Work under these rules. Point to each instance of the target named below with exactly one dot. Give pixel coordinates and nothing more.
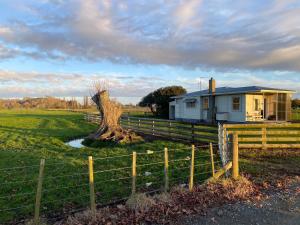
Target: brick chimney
(211, 113)
(212, 86)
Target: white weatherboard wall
(178, 108)
(183, 112)
(224, 104)
(192, 113)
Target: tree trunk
(110, 113)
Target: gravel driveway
(280, 208)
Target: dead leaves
(180, 202)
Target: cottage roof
(237, 90)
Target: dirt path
(280, 208)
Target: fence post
(133, 191)
(92, 187)
(193, 133)
(39, 193)
(139, 126)
(170, 134)
(212, 159)
(264, 137)
(153, 127)
(192, 169)
(235, 156)
(166, 170)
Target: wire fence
(56, 189)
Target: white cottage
(226, 104)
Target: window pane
(236, 103)
(205, 103)
(256, 108)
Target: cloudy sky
(59, 47)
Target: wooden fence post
(193, 133)
(39, 193)
(139, 125)
(212, 159)
(264, 137)
(92, 187)
(133, 191)
(166, 170)
(192, 169)
(235, 156)
(170, 134)
(153, 127)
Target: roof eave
(242, 92)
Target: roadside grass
(26, 136)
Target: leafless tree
(110, 113)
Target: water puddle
(77, 143)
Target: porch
(268, 106)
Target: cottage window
(191, 104)
(205, 103)
(236, 103)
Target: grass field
(27, 136)
(296, 115)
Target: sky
(61, 47)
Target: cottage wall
(224, 105)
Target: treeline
(296, 103)
(44, 103)
(158, 100)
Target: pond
(77, 143)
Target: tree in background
(148, 101)
(158, 101)
(47, 102)
(296, 103)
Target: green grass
(296, 115)
(26, 136)
(268, 165)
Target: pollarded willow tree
(110, 114)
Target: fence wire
(66, 186)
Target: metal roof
(230, 90)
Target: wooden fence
(174, 130)
(259, 136)
(264, 136)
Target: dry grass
(140, 202)
(166, 208)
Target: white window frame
(190, 105)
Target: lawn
(296, 115)
(26, 136)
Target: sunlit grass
(26, 136)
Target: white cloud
(192, 34)
(34, 84)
